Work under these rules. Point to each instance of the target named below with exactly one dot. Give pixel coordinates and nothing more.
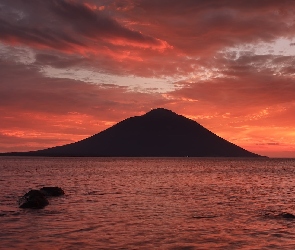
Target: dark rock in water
(33, 199)
(282, 215)
(38, 198)
(52, 191)
(287, 215)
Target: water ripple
(150, 203)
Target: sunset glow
(72, 68)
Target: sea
(149, 203)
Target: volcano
(158, 133)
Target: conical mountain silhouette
(158, 133)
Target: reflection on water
(144, 203)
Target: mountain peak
(160, 112)
(158, 133)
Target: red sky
(71, 68)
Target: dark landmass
(158, 133)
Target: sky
(72, 68)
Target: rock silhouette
(158, 133)
(52, 191)
(281, 215)
(33, 199)
(37, 199)
(286, 215)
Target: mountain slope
(158, 133)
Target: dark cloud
(139, 31)
(96, 24)
(67, 26)
(41, 38)
(203, 27)
(188, 6)
(57, 61)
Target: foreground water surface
(149, 203)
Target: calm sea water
(144, 203)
